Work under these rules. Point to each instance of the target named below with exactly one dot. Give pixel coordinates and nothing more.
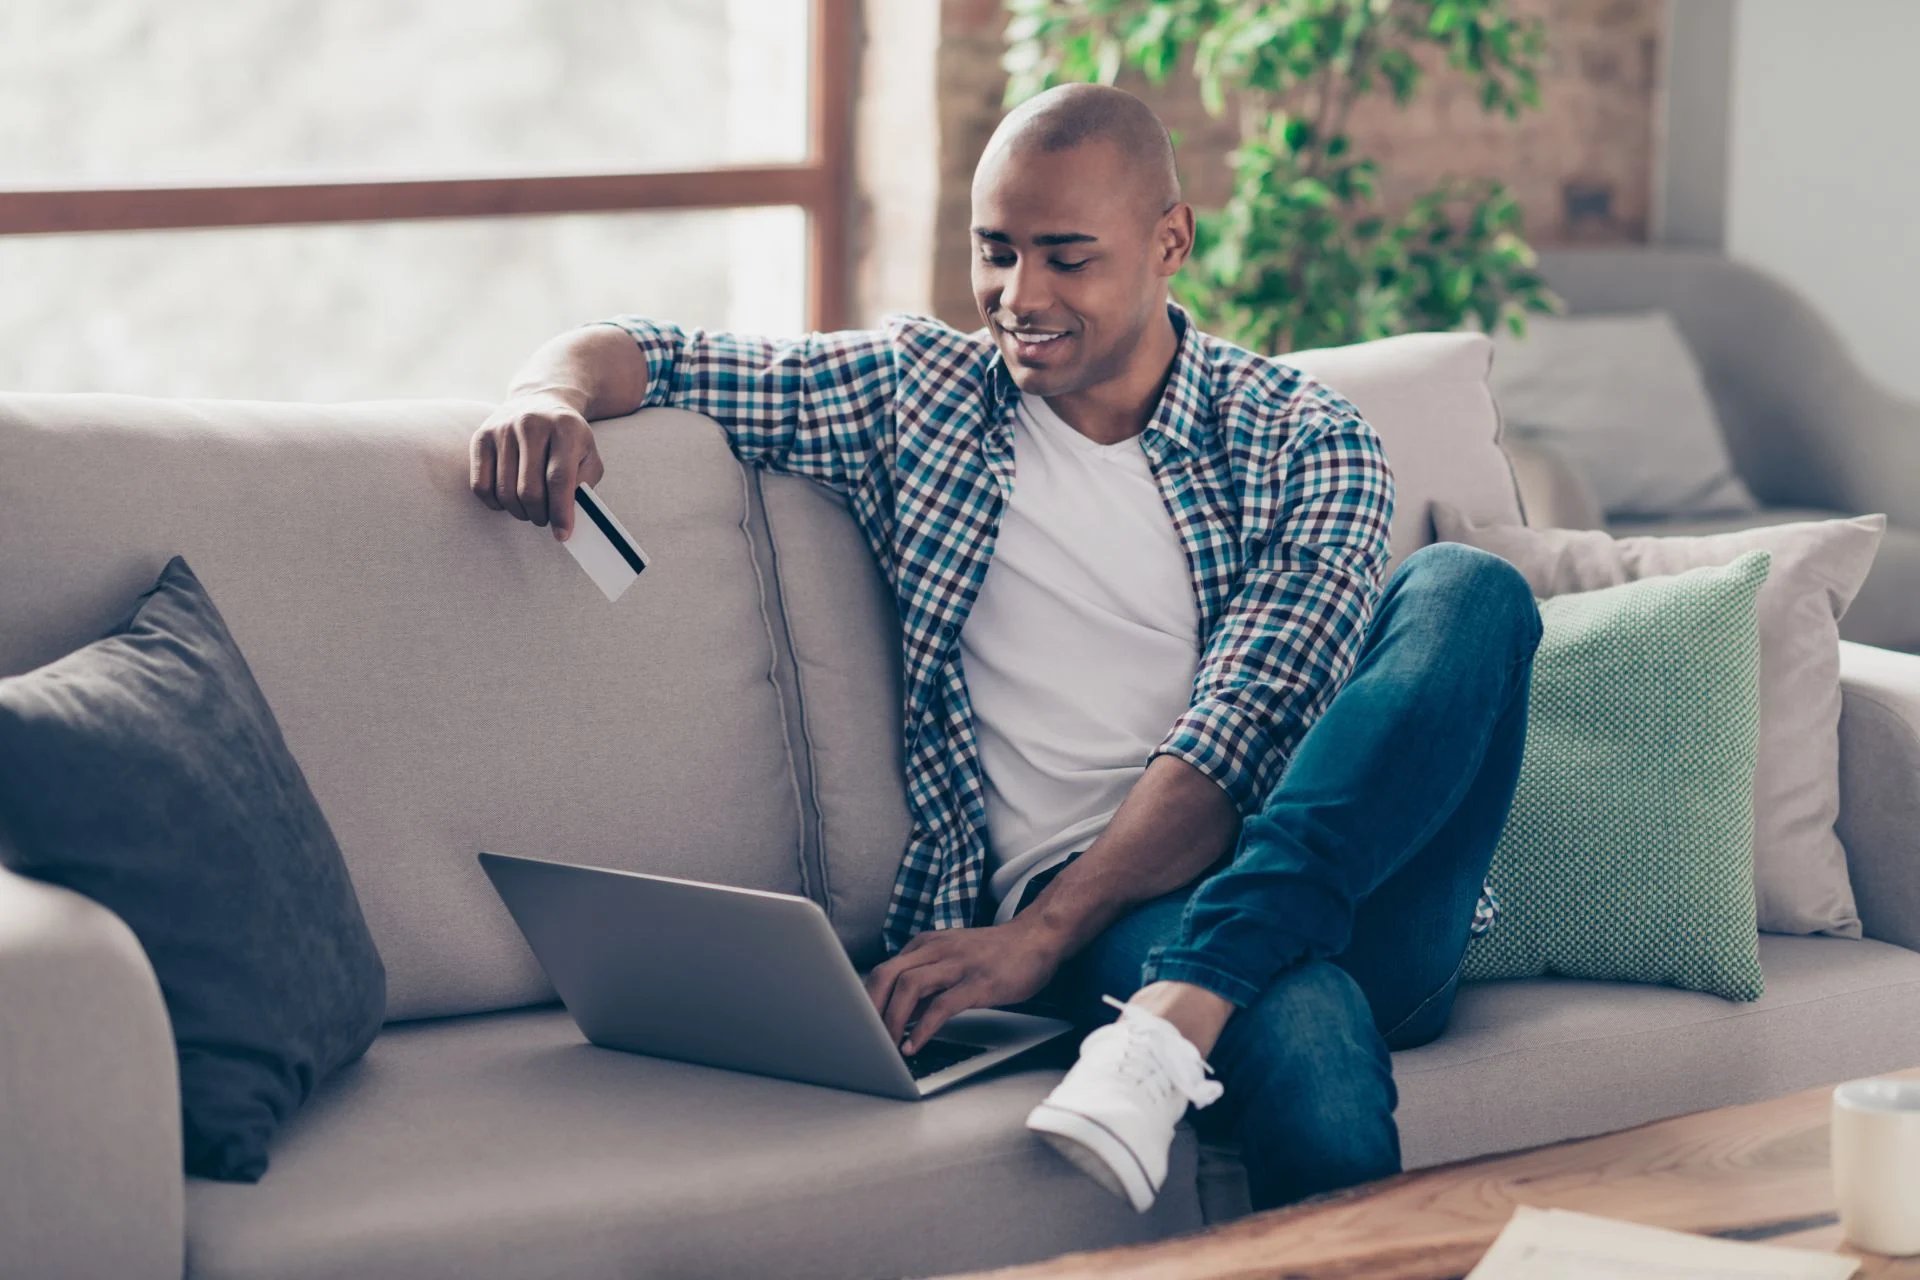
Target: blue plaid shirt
(1279, 489)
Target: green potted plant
(1297, 258)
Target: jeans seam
(1459, 967)
(1539, 634)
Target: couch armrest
(91, 1180)
(1880, 788)
(1553, 495)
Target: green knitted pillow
(1628, 852)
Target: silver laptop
(737, 978)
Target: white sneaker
(1114, 1113)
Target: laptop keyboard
(938, 1055)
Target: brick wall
(1581, 164)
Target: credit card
(602, 545)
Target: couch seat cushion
(1547, 1059)
(1529, 1062)
(505, 1145)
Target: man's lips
(1030, 345)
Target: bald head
(1077, 228)
(1071, 115)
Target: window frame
(820, 185)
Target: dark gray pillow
(147, 772)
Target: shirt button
(948, 631)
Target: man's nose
(1025, 294)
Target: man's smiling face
(1069, 264)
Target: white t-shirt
(1080, 651)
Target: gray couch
(450, 681)
(1809, 432)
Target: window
(350, 199)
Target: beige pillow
(1800, 868)
(1620, 396)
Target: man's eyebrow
(1051, 238)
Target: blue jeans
(1338, 925)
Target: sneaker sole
(1092, 1148)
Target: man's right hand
(529, 454)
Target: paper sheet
(1558, 1244)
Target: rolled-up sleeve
(817, 406)
(1292, 631)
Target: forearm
(1173, 825)
(597, 369)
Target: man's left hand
(943, 971)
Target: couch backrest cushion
(1426, 394)
(844, 633)
(447, 677)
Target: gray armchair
(1811, 434)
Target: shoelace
(1141, 1039)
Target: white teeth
(1035, 337)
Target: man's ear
(1173, 238)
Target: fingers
(480, 462)
(915, 986)
(506, 474)
(565, 468)
(955, 999)
(880, 981)
(527, 458)
(532, 481)
(880, 984)
(559, 493)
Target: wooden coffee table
(1754, 1172)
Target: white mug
(1876, 1164)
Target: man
(1134, 565)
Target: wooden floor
(1756, 1172)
